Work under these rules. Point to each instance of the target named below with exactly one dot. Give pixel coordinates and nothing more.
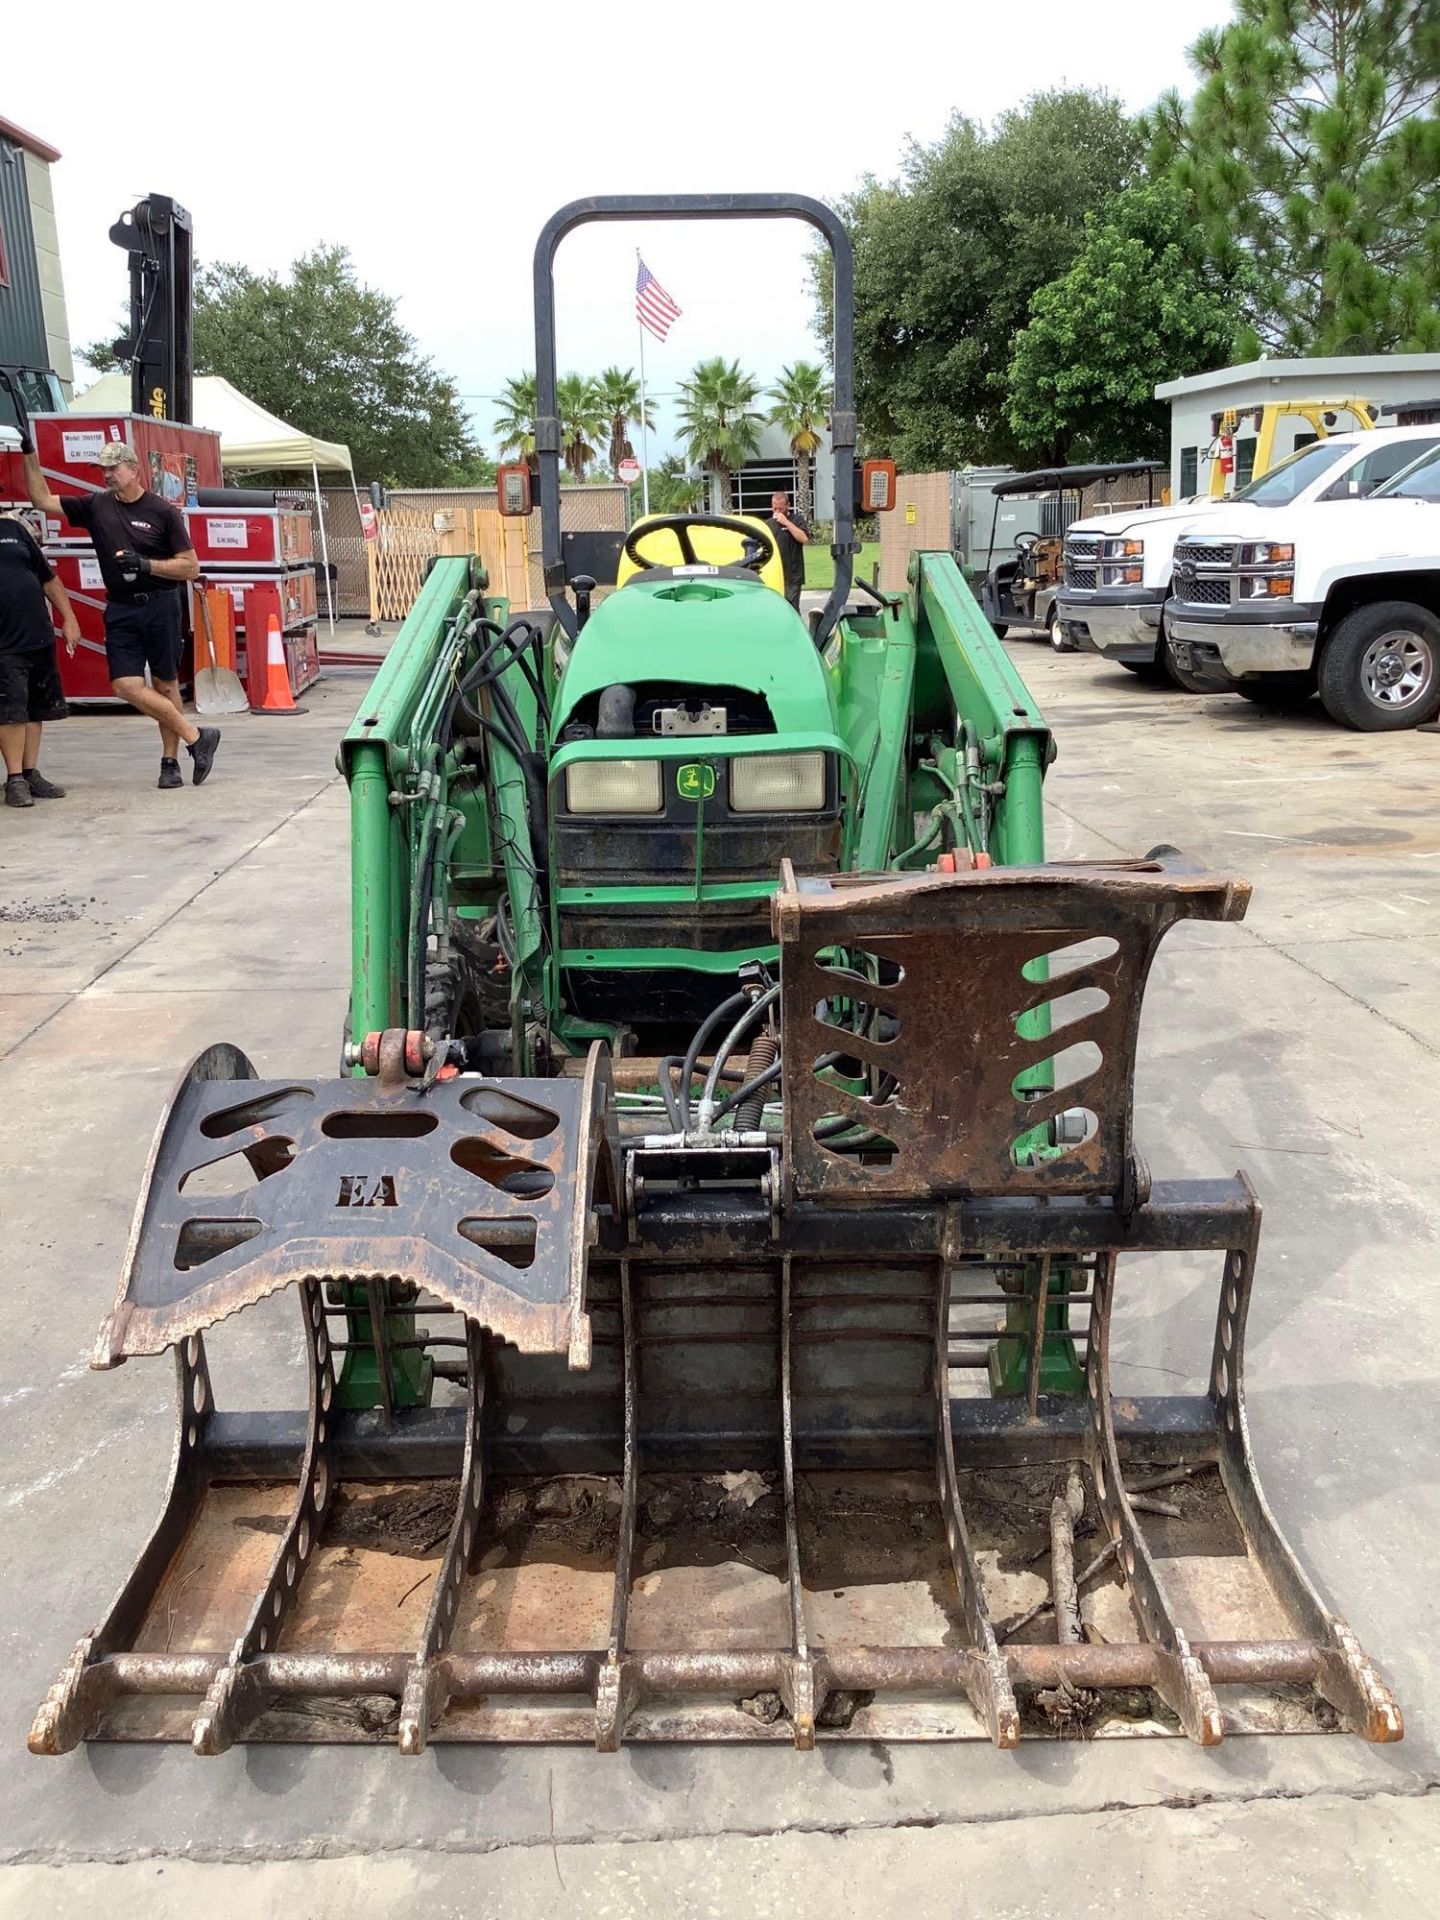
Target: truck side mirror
(877, 486)
(513, 486)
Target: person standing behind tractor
(144, 551)
(792, 536)
(30, 691)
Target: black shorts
(30, 687)
(144, 635)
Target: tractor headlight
(777, 783)
(613, 786)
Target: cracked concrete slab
(1275, 1045)
(1380, 1855)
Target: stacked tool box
(175, 462)
(262, 551)
(251, 543)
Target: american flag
(653, 306)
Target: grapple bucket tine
(1345, 1674)
(802, 1686)
(90, 1683)
(427, 1688)
(238, 1693)
(1181, 1681)
(985, 1677)
(615, 1684)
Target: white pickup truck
(1118, 566)
(1343, 599)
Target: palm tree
(802, 407)
(583, 420)
(716, 416)
(620, 391)
(515, 423)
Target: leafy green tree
(948, 256)
(584, 421)
(1142, 303)
(620, 391)
(802, 399)
(327, 353)
(515, 422)
(1313, 146)
(718, 419)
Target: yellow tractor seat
(712, 546)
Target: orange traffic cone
(275, 695)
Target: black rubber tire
(1343, 690)
(1182, 677)
(1152, 669)
(1285, 692)
(999, 628)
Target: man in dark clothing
(30, 692)
(144, 551)
(792, 536)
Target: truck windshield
(1292, 475)
(1418, 482)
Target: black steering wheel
(760, 548)
(1024, 541)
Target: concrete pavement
(136, 926)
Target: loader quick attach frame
(783, 1328)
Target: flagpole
(644, 428)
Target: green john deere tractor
(717, 1216)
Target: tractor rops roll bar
(695, 206)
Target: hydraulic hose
(697, 1047)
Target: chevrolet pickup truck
(1340, 598)
(1117, 575)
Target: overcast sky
(434, 141)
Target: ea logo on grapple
(367, 1190)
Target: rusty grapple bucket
(780, 1433)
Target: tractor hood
(703, 631)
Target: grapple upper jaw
(480, 1192)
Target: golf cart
(1020, 591)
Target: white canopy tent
(249, 438)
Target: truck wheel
(1057, 633)
(1380, 668)
(1280, 690)
(1184, 679)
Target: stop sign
(628, 470)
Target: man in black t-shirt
(792, 536)
(145, 554)
(30, 691)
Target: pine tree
(1313, 147)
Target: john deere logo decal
(695, 781)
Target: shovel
(217, 689)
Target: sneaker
(17, 791)
(42, 788)
(169, 774)
(203, 753)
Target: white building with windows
(1386, 380)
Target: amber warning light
(513, 483)
(877, 486)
